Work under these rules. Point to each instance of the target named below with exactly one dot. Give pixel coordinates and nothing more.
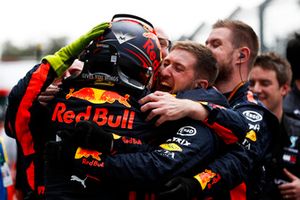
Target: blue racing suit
(184, 144)
(248, 129)
(178, 147)
(28, 122)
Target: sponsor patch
(86, 153)
(251, 135)
(179, 141)
(77, 179)
(254, 127)
(102, 116)
(171, 147)
(290, 158)
(246, 144)
(207, 178)
(116, 137)
(98, 96)
(252, 115)
(293, 140)
(187, 131)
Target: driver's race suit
(184, 144)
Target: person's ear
(243, 54)
(201, 83)
(285, 89)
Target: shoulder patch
(253, 116)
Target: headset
(241, 55)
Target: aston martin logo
(121, 37)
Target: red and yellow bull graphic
(98, 96)
(101, 116)
(89, 157)
(86, 153)
(207, 178)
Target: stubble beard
(225, 74)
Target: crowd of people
(124, 113)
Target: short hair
(206, 65)
(242, 35)
(292, 55)
(274, 62)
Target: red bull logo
(98, 96)
(149, 46)
(207, 178)
(86, 153)
(99, 115)
(129, 140)
(89, 157)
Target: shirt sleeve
(241, 159)
(192, 144)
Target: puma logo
(76, 178)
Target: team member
(270, 79)
(24, 121)
(93, 95)
(291, 101)
(182, 145)
(291, 109)
(235, 46)
(7, 155)
(76, 67)
(164, 41)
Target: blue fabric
(3, 192)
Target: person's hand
(290, 190)
(63, 58)
(90, 135)
(64, 158)
(58, 157)
(168, 108)
(46, 96)
(180, 188)
(84, 162)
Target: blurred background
(33, 28)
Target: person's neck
(278, 112)
(240, 74)
(225, 86)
